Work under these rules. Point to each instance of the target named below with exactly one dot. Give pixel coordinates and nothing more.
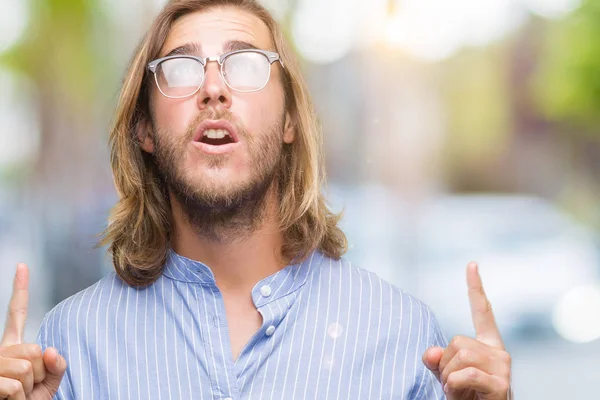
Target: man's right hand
(26, 373)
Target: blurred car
(530, 253)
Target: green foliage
(567, 87)
(475, 91)
(59, 51)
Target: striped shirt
(329, 331)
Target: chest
(312, 346)
(243, 321)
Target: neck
(240, 262)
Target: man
(229, 281)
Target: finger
(30, 352)
(11, 389)
(481, 309)
(459, 343)
(18, 369)
(56, 366)
(431, 359)
(17, 308)
(465, 358)
(477, 380)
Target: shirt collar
(271, 288)
(185, 269)
(285, 281)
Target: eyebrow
(196, 48)
(188, 48)
(234, 45)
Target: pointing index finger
(17, 308)
(481, 310)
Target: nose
(214, 91)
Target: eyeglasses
(181, 76)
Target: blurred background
(455, 131)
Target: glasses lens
(179, 77)
(247, 71)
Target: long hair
(140, 226)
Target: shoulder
(378, 300)
(400, 325)
(363, 283)
(88, 298)
(75, 311)
(395, 328)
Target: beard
(221, 213)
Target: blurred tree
(568, 84)
(476, 90)
(66, 54)
(567, 90)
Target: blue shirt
(330, 331)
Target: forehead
(212, 28)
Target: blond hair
(140, 226)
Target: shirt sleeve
(430, 388)
(49, 336)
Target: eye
(178, 72)
(246, 70)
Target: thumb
(56, 366)
(432, 358)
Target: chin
(221, 180)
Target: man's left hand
(474, 369)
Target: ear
(289, 130)
(144, 134)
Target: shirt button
(265, 291)
(270, 330)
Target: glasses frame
(270, 55)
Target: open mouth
(216, 137)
